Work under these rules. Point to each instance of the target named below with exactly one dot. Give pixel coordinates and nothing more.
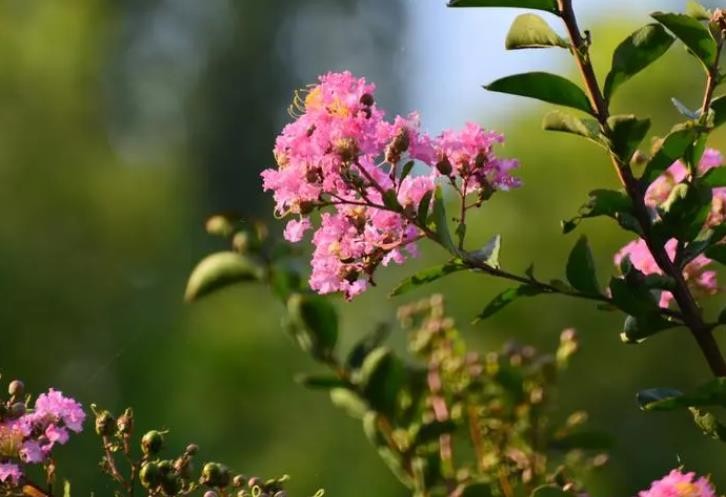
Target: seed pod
(125, 422)
(215, 475)
(16, 388)
(150, 475)
(152, 442)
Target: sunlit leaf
(489, 253)
(531, 31)
(635, 53)
(627, 134)
(581, 268)
(548, 5)
(672, 148)
(543, 86)
(567, 123)
(507, 297)
(220, 270)
(692, 33)
(427, 276)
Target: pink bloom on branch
(10, 473)
(341, 156)
(660, 189)
(700, 280)
(679, 484)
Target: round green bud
(16, 388)
(239, 481)
(125, 423)
(215, 475)
(255, 482)
(150, 475)
(152, 442)
(171, 484)
(165, 467)
(105, 424)
(211, 493)
(280, 493)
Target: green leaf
(718, 106)
(314, 324)
(531, 31)
(652, 396)
(717, 253)
(636, 330)
(715, 178)
(697, 11)
(366, 345)
(427, 276)
(394, 460)
(627, 134)
(709, 424)
(635, 53)
(381, 379)
(349, 401)
(685, 211)
(441, 224)
(489, 253)
(633, 299)
(320, 382)
(547, 5)
(672, 148)
(406, 169)
(220, 270)
(581, 268)
(712, 393)
(479, 489)
(549, 491)
(423, 208)
(543, 86)
(587, 440)
(692, 33)
(430, 432)
(567, 123)
(390, 200)
(505, 298)
(611, 203)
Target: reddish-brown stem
(690, 311)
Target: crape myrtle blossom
(342, 156)
(679, 484)
(700, 280)
(661, 188)
(28, 437)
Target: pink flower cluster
(29, 437)
(701, 280)
(679, 484)
(341, 154)
(661, 188)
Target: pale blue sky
(455, 51)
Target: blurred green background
(123, 124)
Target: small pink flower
(10, 473)
(700, 280)
(678, 484)
(32, 453)
(295, 229)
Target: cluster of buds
(30, 431)
(170, 477)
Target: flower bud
(280, 493)
(210, 493)
(215, 475)
(239, 481)
(152, 442)
(254, 482)
(17, 410)
(367, 99)
(16, 388)
(219, 225)
(191, 449)
(171, 484)
(444, 166)
(125, 422)
(149, 475)
(105, 424)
